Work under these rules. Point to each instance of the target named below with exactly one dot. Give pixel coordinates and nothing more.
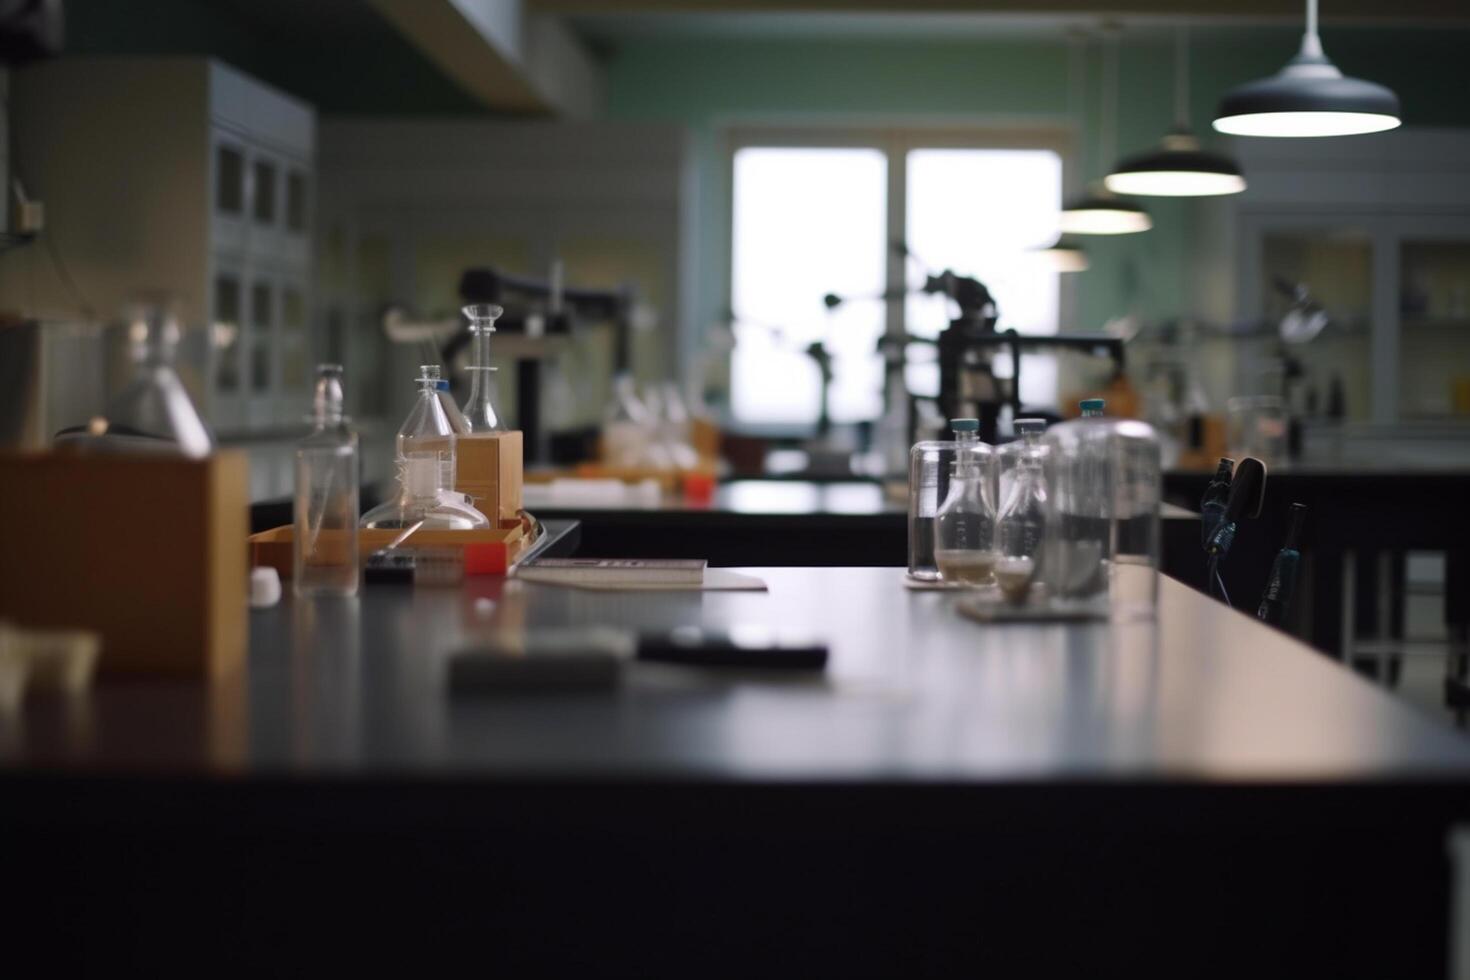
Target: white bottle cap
(265, 587)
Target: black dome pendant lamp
(1179, 166)
(1099, 211)
(1309, 97)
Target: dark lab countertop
(945, 787)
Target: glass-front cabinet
(1434, 324)
(1362, 320)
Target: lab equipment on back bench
(327, 477)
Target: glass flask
(154, 413)
(479, 409)
(1021, 520)
(675, 430)
(425, 464)
(327, 479)
(1104, 481)
(931, 462)
(964, 527)
(627, 428)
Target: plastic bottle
(327, 478)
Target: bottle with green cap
(1092, 408)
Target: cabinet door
(1316, 316)
(1434, 320)
(230, 191)
(262, 354)
(227, 343)
(295, 369)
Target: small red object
(485, 558)
(699, 488)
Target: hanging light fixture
(1099, 211)
(1309, 97)
(1065, 255)
(1179, 167)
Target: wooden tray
(274, 547)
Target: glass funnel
(479, 408)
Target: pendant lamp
(1099, 211)
(1179, 166)
(1065, 255)
(1309, 97)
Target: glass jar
(1104, 482)
(931, 463)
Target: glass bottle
(1021, 523)
(627, 427)
(425, 462)
(964, 527)
(1092, 407)
(327, 479)
(479, 409)
(930, 465)
(154, 413)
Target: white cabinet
(185, 176)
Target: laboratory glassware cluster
(1062, 520)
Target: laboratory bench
(945, 796)
(786, 522)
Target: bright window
(809, 221)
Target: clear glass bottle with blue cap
(425, 462)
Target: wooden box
(488, 467)
(148, 552)
(275, 546)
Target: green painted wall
(711, 84)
